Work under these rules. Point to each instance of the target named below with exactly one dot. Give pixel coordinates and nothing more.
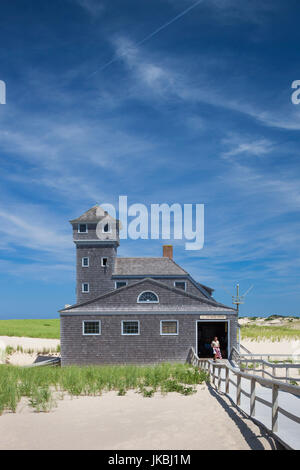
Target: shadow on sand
(240, 419)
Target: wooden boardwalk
(288, 430)
(270, 402)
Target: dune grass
(42, 386)
(272, 333)
(31, 328)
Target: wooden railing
(212, 367)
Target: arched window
(148, 297)
(106, 228)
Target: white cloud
(93, 7)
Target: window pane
(91, 327)
(130, 328)
(148, 297)
(82, 228)
(85, 261)
(180, 285)
(120, 284)
(169, 327)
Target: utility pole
(239, 299)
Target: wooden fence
(214, 370)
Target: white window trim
(169, 334)
(184, 282)
(126, 283)
(85, 265)
(86, 228)
(91, 321)
(104, 265)
(151, 302)
(85, 291)
(109, 227)
(130, 334)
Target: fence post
(213, 371)
(227, 381)
(219, 379)
(275, 408)
(287, 374)
(238, 390)
(252, 398)
(274, 371)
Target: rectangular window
(119, 284)
(169, 327)
(85, 287)
(91, 327)
(104, 262)
(85, 262)
(82, 228)
(180, 285)
(130, 327)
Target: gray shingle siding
(113, 348)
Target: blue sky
(199, 112)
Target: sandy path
(132, 422)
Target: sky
(164, 101)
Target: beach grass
(42, 386)
(37, 328)
(272, 333)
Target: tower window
(104, 262)
(85, 262)
(85, 288)
(106, 228)
(82, 228)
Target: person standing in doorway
(216, 348)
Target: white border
(85, 291)
(184, 282)
(85, 265)
(86, 228)
(126, 284)
(215, 321)
(91, 321)
(130, 334)
(151, 302)
(169, 334)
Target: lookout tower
(96, 236)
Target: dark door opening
(206, 333)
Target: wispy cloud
(93, 7)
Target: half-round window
(148, 297)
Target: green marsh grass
(42, 385)
(31, 328)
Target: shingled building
(136, 310)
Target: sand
(268, 347)
(133, 422)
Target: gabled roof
(199, 304)
(95, 214)
(147, 267)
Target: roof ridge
(153, 281)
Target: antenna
(239, 299)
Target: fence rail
(214, 370)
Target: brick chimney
(168, 251)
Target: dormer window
(148, 297)
(82, 228)
(180, 285)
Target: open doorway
(206, 331)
